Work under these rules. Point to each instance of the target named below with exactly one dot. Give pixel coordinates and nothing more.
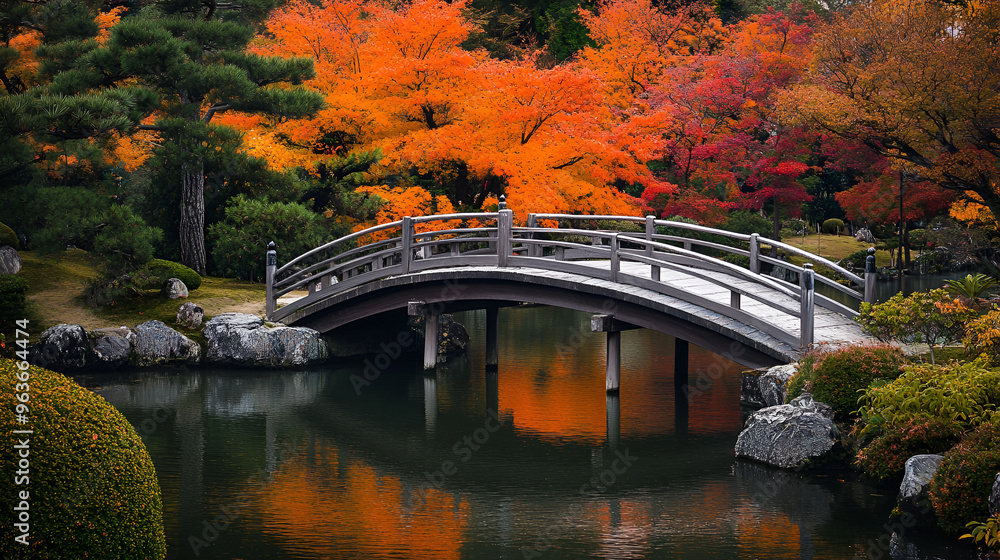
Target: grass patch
(835, 247)
(56, 285)
(215, 296)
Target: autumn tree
(915, 81)
(192, 56)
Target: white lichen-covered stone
(239, 339)
(174, 288)
(110, 348)
(788, 435)
(10, 260)
(61, 348)
(774, 384)
(190, 315)
(155, 343)
(917, 477)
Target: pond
(316, 464)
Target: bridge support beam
(608, 324)
(492, 333)
(431, 317)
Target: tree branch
(577, 159)
(212, 110)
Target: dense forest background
(199, 130)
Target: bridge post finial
(871, 275)
(503, 202)
(271, 264)
(807, 284)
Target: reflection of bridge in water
(629, 272)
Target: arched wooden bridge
(632, 271)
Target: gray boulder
(173, 288)
(61, 348)
(917, 477)
(774, 384)
(864, 235)
(239, 339)
(155, 343)
(10, 261)
(995, 496)
(109, 348)
(788, 435)
(190, 315)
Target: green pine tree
(192, 56)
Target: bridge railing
(490, 239)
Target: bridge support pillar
(431, 318)
(614, 368)
(614, 427)
(492, 333)
(492, 393)
(430, 403)
(608, 324)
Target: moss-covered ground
(56, 286)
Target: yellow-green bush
(93, 488)
(8, 237)
(162, 270)
(966, 393)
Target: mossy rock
(163, 270)
(8, 237)
(93, 491)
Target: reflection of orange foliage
(767, 536)
(549, 397)
(320, 514)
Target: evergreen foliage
(241, 239)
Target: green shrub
(787, 233)
(917, 238)
(886, 455)
(8, 237)
(840, 376)
(160, 270)
(241, 239)
(93, 488)
(833, 225)
(855, 260)
(963, 392)
(12, 300)
(745, 221)
(961, 487)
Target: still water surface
(300, 465)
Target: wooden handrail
(405, 249)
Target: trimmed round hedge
(960, 490)
(163, 270)
(93, 489)
(8, 237)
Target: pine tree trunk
(192, 227)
